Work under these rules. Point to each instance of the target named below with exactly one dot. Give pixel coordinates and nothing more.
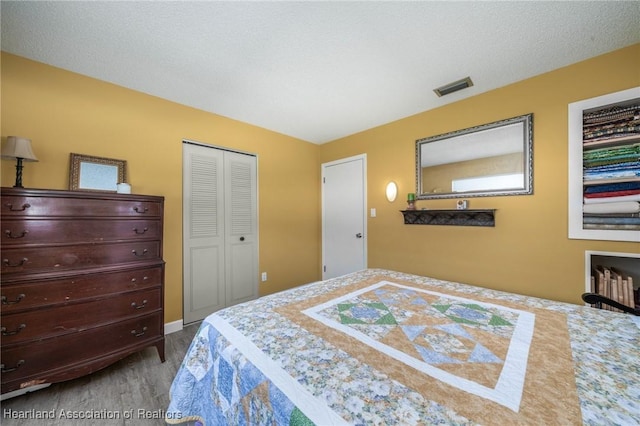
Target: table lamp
(18, 148)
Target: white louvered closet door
(220, 239)
(241, 236)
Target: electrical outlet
(264, 276)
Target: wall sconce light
(17, 148)
(391, 191)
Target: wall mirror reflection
(487, 160)
(88, 173)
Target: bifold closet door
(220, 238)
(241, 236)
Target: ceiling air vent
(453, 87)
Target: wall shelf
(592, 219)
(467, 217)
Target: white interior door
(203, 232)
(344, 233)
(241, 234)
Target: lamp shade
(17, 147)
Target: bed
(379, 347)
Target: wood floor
(135, 387)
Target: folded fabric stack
(611, 165)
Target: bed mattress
(383, 347)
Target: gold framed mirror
(89, 173)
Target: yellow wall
(528, 251)
(63, 112)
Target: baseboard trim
(19, 392)
(172, 327)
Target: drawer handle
(140, 233)
(12, 302)
(11, 333)
(141, 333)
(136, 306)
(141, 210)
(7, 370)
(8, 233)
(135, 253)
(23, 208)
(15, 265)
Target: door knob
(358, 235)
(241, 238)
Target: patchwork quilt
(379, 347)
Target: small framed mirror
(88, 173)
(488, 160)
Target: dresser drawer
(24, 295)
(21, 231)
(63, 257)
(74, 205)
(32, 361)
(71, 318)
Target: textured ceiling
(317, 71)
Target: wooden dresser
(82, 282)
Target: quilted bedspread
(379, 348)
